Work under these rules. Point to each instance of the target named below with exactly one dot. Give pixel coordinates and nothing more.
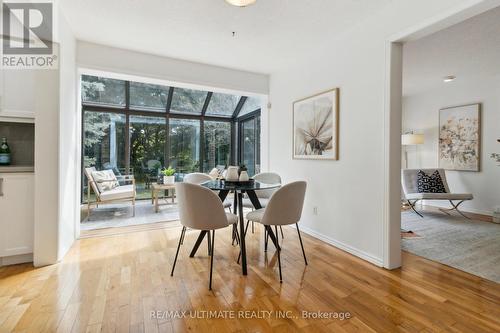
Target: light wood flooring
(114, 283)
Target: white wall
(109, 59)
(471, 51)
(46, 226)
(55, 152)
(349, 193)
(69, 165)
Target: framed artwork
(315, 126)
(460, 137)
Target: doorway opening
(441, 92)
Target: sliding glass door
(147, 150)
(249, 144)
(184, 155)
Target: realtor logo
(27, 33)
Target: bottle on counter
(4, 152)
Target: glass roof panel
(100, 90)
(251, 104)
(222, 105)
(148, 96)
(188, 101)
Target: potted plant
(168, 175)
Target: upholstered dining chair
(284, 208)
(263, 195)
(199, 178)
(201, 209)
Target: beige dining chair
(263, 195)
(201, 209)
(199, 178)
(284, 208)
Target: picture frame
(316, 126)
(459, 141)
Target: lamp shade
(412, 139)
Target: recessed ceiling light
(241, 3)
(449, 78)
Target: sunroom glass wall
(137, 128)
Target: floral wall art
(459, 137)
(315, 126)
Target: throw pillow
(105, 180)
(430, 183)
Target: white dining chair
(284, 208)
(200, 178)
(263, 195)
(201, 209)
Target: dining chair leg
(236, 235)
(301, 245)
(281, 229)
(266, 237)
(177, 252)
(211, 258)
(279, 250)
(182, 237)
(244, 234)
(209, 243)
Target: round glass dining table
(239, 188)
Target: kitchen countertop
(17, 168)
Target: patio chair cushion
(120, 192)
(105, 180)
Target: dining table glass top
(221, 185)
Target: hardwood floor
(113, 283)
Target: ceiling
(469, 50)
(268, 35)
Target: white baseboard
(347, 248)
(17, 259)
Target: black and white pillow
(430, 184)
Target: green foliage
(168, 171)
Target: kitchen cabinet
(16, 214)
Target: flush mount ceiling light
(449, 78)
(241, 3)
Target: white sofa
(412, 196)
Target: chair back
(268, 178)
(285, 205)
(199, 207)
(409, 179)
(153, 165)
(197, 178)
(88, 174)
